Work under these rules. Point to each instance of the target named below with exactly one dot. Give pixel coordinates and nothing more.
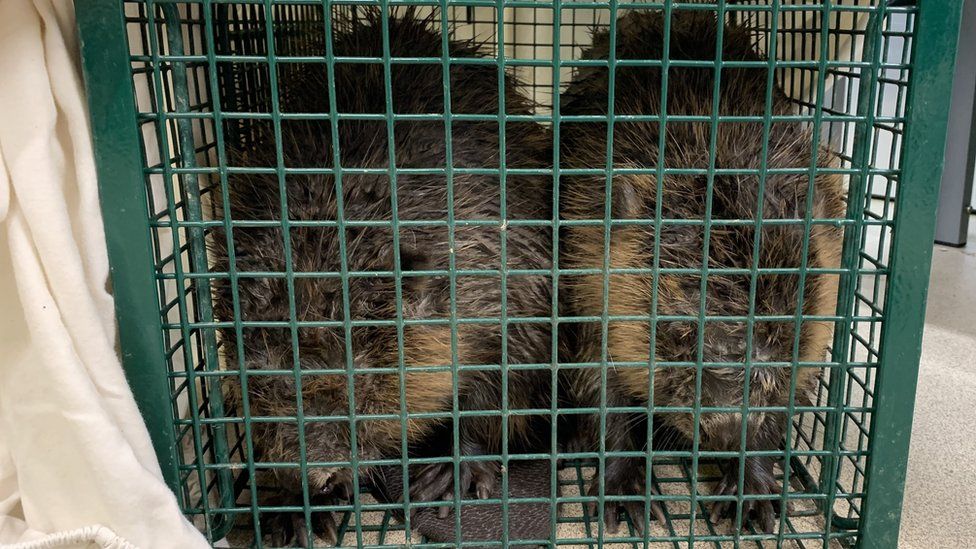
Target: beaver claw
(291, 530)
(435, 482)
(759, 481)
(624, 479)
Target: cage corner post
(937, 32)
(123, 199)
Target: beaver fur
(685, 196)
(424, 245)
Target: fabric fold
(77, 468)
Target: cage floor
(577, 528)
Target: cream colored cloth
(76, 465)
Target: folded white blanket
(76, 465)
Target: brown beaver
(684, 196)
(329, 355)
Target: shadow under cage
(208, 98)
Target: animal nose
(724, 435)
(324, 479)
(329, 486)
(762, 354)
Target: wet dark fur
(687, 145)
(416, 89)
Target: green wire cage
(175, 85)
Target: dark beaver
(486, 230)
(689, 198)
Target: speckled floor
(939, 508)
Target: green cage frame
(195, 81)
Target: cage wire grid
(208, 73)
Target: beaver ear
(804, 399)
(633, 196)
(414, 259)
(626, 203)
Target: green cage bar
(175, 85)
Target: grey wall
(957, 179)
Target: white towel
(77, 467)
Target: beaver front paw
(435, 482)
(624, 477)
(759, 480)
(292, 530)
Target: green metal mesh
(206, 75)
